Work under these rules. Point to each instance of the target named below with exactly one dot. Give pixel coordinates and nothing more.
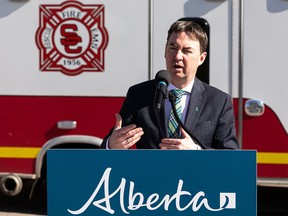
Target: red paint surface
(265, 134)
(31, 121)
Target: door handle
(254, 107)
(67, 125)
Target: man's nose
(179, 55)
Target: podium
(151, 182)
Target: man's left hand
(186, 143)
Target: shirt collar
(188, 88)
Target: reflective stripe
(272, 158)
(18, 152)
(30, 152)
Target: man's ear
(202, 58)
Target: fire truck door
(265, 88)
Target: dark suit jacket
(210, 116)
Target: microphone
(126, 120)
(162, 80)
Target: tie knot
(178, 93)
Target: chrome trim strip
(150, 40)
(63, 140)
(21, 175)
(269, 182)
(240, 84)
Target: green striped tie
(173, 127)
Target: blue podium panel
(151, 182)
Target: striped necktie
(173, 127)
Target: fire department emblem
(72, 38)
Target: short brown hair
(193, 30)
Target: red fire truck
(65, 67)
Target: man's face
(183, 58)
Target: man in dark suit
(205, 111)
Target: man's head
(185, 51)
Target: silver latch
(67, 124)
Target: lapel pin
(197, 109)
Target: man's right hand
(124, 137)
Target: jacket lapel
(196, 104)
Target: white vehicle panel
(265, 60)
(126, 52)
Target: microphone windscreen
(163, 75)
